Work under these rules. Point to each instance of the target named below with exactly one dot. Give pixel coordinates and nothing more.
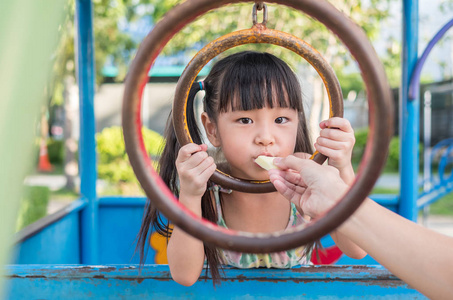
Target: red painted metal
(380, 118)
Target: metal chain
(256, 7)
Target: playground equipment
(86, 249)
(434, 187)
(380, 104)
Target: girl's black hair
(242, 81)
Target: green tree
(114, 44)
(110, 42)
(367, 14)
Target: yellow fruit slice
(266, 162)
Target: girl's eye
(245, 121)
(281, 120)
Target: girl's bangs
(257, 81)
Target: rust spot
(26, 276)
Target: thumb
(295, 163)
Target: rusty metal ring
(380, 120)
(257, 34)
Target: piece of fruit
(266, 162)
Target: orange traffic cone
(44, 164)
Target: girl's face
(245, 135)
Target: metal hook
(259, 6)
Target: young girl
(252, 107)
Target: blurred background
(119, 27)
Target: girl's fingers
(332, 144)
(191, 156)
(206, 164)
(337, 135)
(326, 151)
(188, 150)
(337, 122)
(196, 159)
(204, 171)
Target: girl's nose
(264, 137)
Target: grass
(64, 195)
(383, 190)
(33, 205)
(443, 206)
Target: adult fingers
(289, 190)
(295, 163)
(302, 155)
(287, 175)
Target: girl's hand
(194, 167)
(336, 141)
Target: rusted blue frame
(154, 282)
(86, 76)
(36, 227)
(414, 85)
(441, 185)
(409, 115)
(444, 186)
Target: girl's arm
(347, 246)
(419, 256)
(336, 141)
(185, 253)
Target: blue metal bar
(434, 195)
(155, 271)
(122, 201)
(87, 144)
(154, 282)
(414, 86)
(409, 115)
(48, 220)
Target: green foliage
(55, 150)
(359, 147)
(350, 82)
(392, 164)
(392, 62)
(110, 41)
(113, 163)
(367, 14)
(33, 205)
(393, 156)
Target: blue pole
(409, 115)
(87, 144)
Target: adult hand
(313, 188)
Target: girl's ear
(211, 130)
